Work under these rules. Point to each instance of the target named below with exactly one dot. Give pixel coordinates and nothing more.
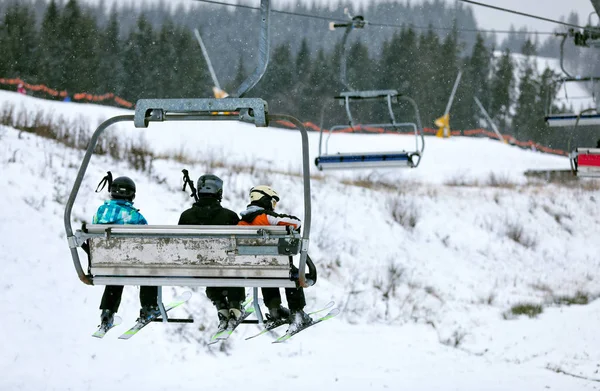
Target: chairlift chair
(585, 162)
(353, 160)
(165, 255)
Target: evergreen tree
(527, 101)
(502, 85)
(68, 24)
(137, 59)
(18, 40)
(302, 72)
(51, 55)
(430, 99)
(302, 87)
(475, 83)
(110, 67)
(240, 75)
(167, 63)
(193, 77)
(359, 69)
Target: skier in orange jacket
(261, 211)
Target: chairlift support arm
(263, 51)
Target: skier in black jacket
(208, 211)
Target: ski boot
(106, 319)
(234, 317)
(223, 319)
(298, 320)
(149, 312)
(277, 315)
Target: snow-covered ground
(424, 304)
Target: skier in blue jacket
(119, 210)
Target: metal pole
(453, 92)
(257, 310)
(487, 117)
(205, 53)
(263, 52)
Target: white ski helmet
(264, 195)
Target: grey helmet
(210, 185)
(122, 188)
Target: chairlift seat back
(588, 162)
(191, 255)
(565, 120)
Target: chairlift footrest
(174, 320)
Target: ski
(225, 334)
(141, 323)
(288, 335)
(102, 331)
(281, 322)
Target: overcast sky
(486, 18)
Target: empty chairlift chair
(353, 160)
(585, 161)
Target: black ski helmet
(210, 185)
(122, 188)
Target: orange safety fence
(309, 125)
(63, 94)
(460, 133)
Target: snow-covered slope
(422, 303)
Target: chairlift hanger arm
(356, 22)
(263, 51)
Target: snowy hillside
(425, 269)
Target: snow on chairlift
(165, 255)
(352, 160)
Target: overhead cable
(522, 14)
(397, 26)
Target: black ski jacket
(208, 211)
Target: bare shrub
(13, 158)
(36, 203)
(139, 156)
(460, 180)
(7, 115)
(516, 233)
(456, 339)
(403, 212)
(528, 309)
(589, 185)
(489, 299)
(580, 298)
(542, 288)
(373, 182)
(387, 285)
(500, 180)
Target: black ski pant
(295, 298)
(111, 299)
(225, 298)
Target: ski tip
(185, 296)
(332, 313)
